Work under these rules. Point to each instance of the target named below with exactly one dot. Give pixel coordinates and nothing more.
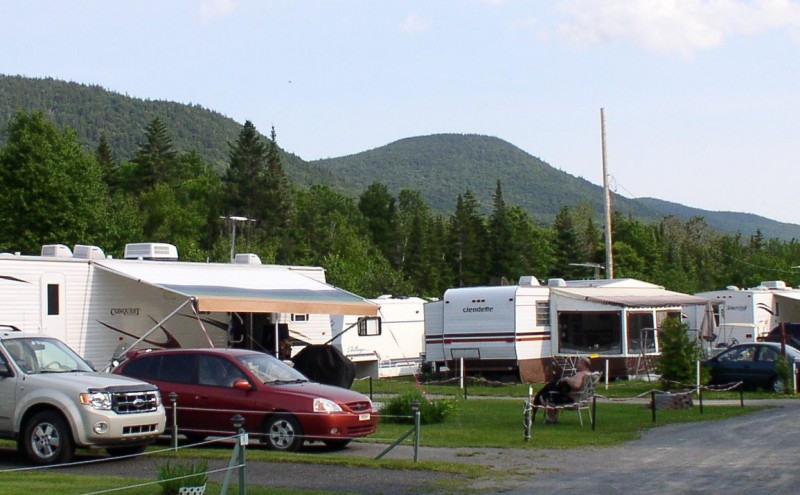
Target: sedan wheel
(46, 439)
(283, 432)
(777, 385)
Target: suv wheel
(46, 439)
(283, 432)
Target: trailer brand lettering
(124, 311)
(482, 309)
(736, 308)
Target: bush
(783, 372)
(196, 476)
(398, 409)
(679, 354)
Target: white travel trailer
(100, 306)
(521, 331)
(746, 315)
(387, 345)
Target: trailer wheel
(46, 439)
(283, 432)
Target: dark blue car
(752, 363)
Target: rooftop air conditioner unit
(88, 252)
(774, 284)
(529, 280)
(556, 282)
(247, 259)
(157, 251)
(56, 251)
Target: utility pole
(607, 199)
(233, 219)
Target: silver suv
(53, 401)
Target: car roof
(218, 351)
(773, 345)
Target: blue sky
(701, 97)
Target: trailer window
(299, 317)
(369, 326)
(52, 300)
(589, 333)
(641, 333)
(543, 313)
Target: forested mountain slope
(440, 166)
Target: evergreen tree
(380, 211)
(468, 251)
(108, 164)
(568, 248)
(506, 257)
(278, 208)
(245, 192)
(155, 162)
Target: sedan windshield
(271, 370)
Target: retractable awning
(242, 288)
(632, 297)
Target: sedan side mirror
(242, 384)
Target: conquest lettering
(482, 309)
(124, 311)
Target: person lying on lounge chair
(558, 392)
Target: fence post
(700, 398)
(526, 416)
(370, 387)
(237, 457)
(653, 404)
(241, 443)
(415, 408)
(173, 398)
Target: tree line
(53, 190)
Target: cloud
(413, 24)
(212, 9)
(674, 26)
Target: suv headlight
(326, 406)
(98, 400)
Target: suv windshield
(42, 355)
(271, 370)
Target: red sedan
(279, 405)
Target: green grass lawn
(476, 422)
(483, 388)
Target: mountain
(439, 166)
(445, 165)
(92, 111)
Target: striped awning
(242, 287)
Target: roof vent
(56, 251)
(529, 280)
(556, 282)
(247, 259)
(157, 251)
(88, 252)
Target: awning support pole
(157, 325)
(202, 327)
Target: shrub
(398, 409)
(195, 476)
(782, 370)
(679, 353)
